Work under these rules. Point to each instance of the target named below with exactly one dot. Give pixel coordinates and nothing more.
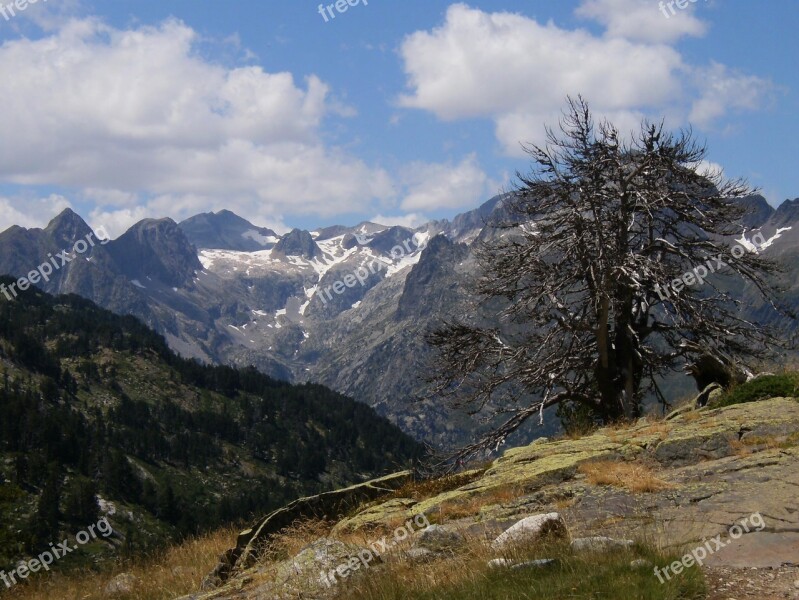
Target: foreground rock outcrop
(329, 505)
(712, 469)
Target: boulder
(704, 396)
(532, 529)
(122, 584)
(323, 564)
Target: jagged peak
(297, 242)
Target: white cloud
(724, 90)
(117, 222)
(139, 113)
(431, 186)
(411, 220)
(642, 20)
(517, 72)
(30, 212)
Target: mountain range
(347, 307)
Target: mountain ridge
(269, 308)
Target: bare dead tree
(584, 274)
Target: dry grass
(617, 435)
(741, 448)
(751, 444)
(414, 578)
(467, 577)
(291, 540)
(691, 416)
(459, 509)
(174, 572)
(661, 429)
(422, 489)
(563, 503)
(634, 477)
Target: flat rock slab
(761, 549)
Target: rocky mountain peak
(67, 226)
(225, 230)
(156, 248)
(758, 211)
(297, 242)
(787, 214)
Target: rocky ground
(731, 583)
(676, 483)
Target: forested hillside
(96, 406)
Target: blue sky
(392, 111)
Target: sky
(292, 114)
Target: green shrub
(762, 388)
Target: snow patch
(769, 241)
(264, 240)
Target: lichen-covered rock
(704, 396)
(438, 539)
(379, 514)
(715, 435)
(723, 464)
(323, 564)
(328, 505)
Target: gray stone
(599, 544)
(532, 529)
(704, 396)
(122, 584)
(437, 538)
(499, 563)
(535, 564)
(323, 564)
(419, 555)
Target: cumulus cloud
(517, 72)
(117, 222)
(642, 20)
(431, 186)
(139, 112)
(30, 212)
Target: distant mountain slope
(95, 403)
(347, 307)
(225, 230)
